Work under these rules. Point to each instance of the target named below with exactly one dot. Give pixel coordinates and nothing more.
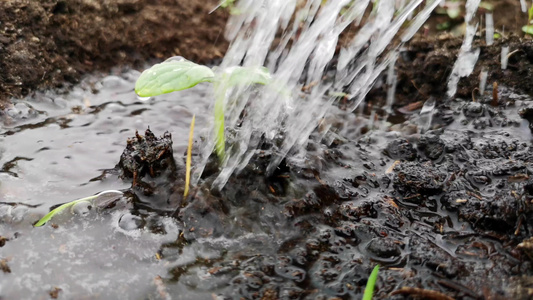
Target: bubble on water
(143, 99)
(113, 82)
(18, 213)
(130, 222)
(5, 213)
(131, 75)
(60, 102)
(82, 208)
(116, 107)
(24, 111)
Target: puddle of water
(52, 147)
(70, 139)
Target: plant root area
(447, 211)
(52, 43)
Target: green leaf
(486, 5)
(530, 14)
(369, 290)
(528, 29)
(444, 26)
(247, 76)
(227, 3)
(171, 76)
(57, 210)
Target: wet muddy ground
(447, 212)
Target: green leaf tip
(528, 29)
(371, 283)
(174, 74)
(57, 210)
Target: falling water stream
(59, 147)
(301, 58)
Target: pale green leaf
(247, 76)
(528, 29)
(453, 12)
(171, 76)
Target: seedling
(227, 4)
(529, 27)
(369, 290)
(176, 74)
(188, 162)
(112, 194)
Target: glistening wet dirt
(447, 211)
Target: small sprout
(104, 196)
(369, 290)
(178, 74)
(444, 26)
(529, 27)
(189, 157)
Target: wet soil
(52, 43)
(448, 215)
(446, 212)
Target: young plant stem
(220, 145)
(189, 157)
(369, 289)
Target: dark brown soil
(424, 67)
(50, 43)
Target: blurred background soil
(52, 43)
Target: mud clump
(401, 149)
(412, 180)
(149, 162)
(146, 154)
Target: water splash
(297, 41)
(489, 31)
(426, 115)
(504, 57)
(467, 58)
